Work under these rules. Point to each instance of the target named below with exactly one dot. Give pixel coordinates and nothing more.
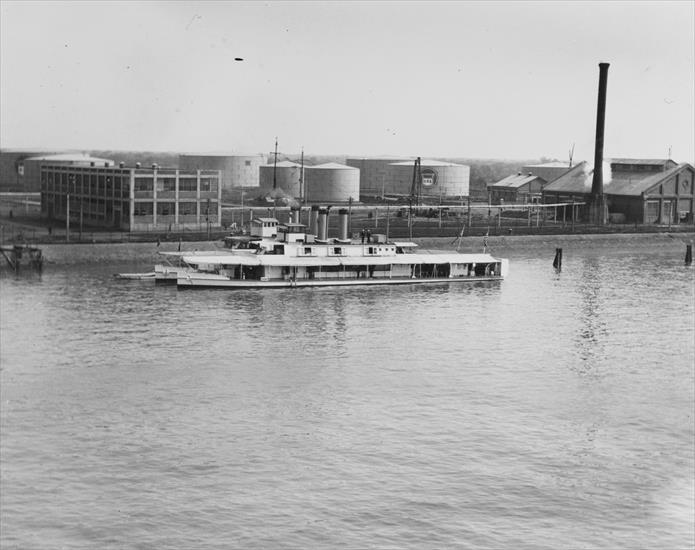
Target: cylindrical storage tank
(332, 182)
(287, 178)
(439, 179)
(236, 170)
(374, 174)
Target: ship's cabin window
(308, 251)
(337, 250)
(371, 250)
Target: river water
(546, 411)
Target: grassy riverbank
(148, 253)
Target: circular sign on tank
(429, 177)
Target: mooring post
(557, 262)
(689, 254)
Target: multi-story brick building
(132, 198)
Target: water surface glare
(547, 411)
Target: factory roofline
(67, 157)
(554, 164)
(516, 180)
(649, 162)
(631, 183)
(578, 180)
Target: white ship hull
(210, 280)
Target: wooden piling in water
(689, 254)
(557, 262)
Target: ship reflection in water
(543, 411)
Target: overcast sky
(515, 80)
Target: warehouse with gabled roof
(646, 191)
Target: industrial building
(332, 182)
(131, 199)
(285, 175)
(237, 170)
(390, 176)
(20, 171)
(644, 191)
(517, 188)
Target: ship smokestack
(343, 216)
(597, 207)
(323, 224)
(314, 220)
(295, 214)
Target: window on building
(165, 208)
(187, 209)
(248, 163)
(187, 184)
(208, 185)
(166, 184)
(143, 209)
(143, 184)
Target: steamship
(286, 255)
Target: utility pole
(275, 164)
(302, 191)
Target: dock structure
(22, 256)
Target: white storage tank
(444, 179)
(375, 174)
(236, 170)
(332, 182)
(287, 178)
